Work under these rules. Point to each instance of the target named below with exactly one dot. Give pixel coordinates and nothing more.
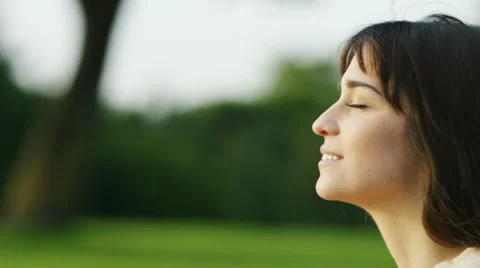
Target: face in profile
(366, 156)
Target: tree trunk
(41, 188)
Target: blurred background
(155, 133)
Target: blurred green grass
(195, 244)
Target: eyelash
(357, 106)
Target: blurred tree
(41, 186)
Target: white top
(469, 258)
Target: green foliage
(247, 162)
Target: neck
(402, 230)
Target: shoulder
(469, 258)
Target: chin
(335, 192)
(328, 192)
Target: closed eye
(358, 106)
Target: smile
(329, 159)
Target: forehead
(355, 72)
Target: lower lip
(328, 162)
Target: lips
(329, 157)
(330, 154)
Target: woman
(403, 139)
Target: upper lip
(324, 150)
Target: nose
(327, 123)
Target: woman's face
(366, 156)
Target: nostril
(325, 126)
(319, 131)
(323, 133)
(324, 129)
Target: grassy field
(160, 244)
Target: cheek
(377, 157)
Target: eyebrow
(355, 83)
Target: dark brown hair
(432, 67)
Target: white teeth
(330, 157)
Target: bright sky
(187, 53)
